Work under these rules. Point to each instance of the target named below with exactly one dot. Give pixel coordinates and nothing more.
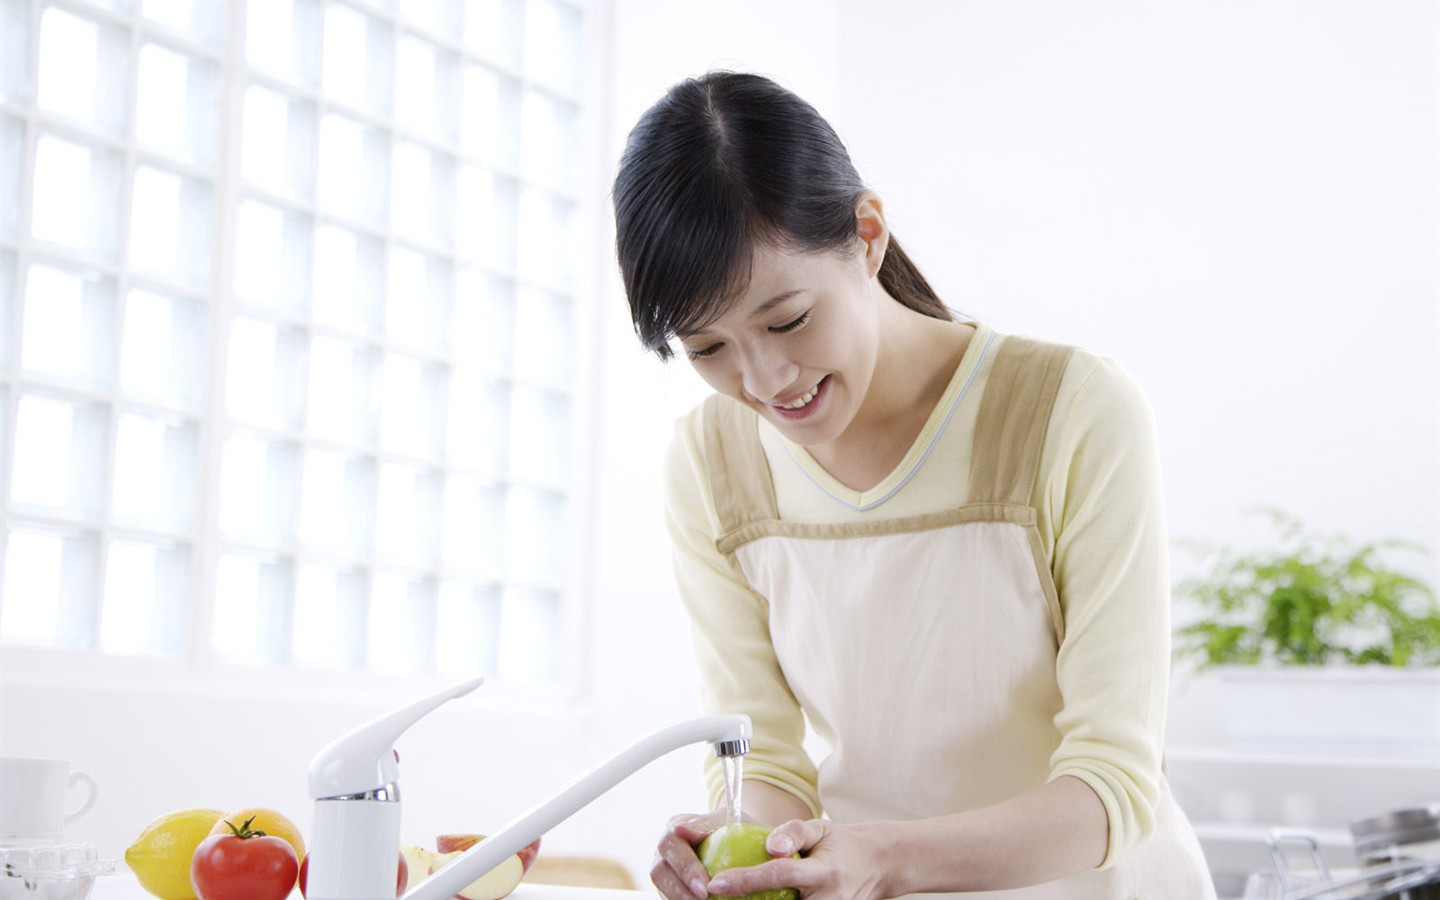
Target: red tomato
(402, 874)
(243, 865)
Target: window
(288, 318)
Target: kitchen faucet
(354, 782)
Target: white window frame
(198, 668)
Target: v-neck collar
(919, 451)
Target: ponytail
(902, 280)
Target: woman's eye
(703, 352)
(791, 326)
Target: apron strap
(739, 472)
(1010, 431)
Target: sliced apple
(449, 843)
(419, 860)
(528, 853)
(494, 884)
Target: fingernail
(719, 885)
(700, 888)
(784, 846)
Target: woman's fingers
(670, 884)
(694, 829)
(795, 836)
(770, 876)
(677, 872)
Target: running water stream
(734, 772)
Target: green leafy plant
(1311, 601)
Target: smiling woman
(311, 402)
(941, 546)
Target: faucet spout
(728, 735)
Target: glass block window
(288, 306)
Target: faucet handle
(363, 760)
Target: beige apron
(953, 709)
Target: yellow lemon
(160, 856)
(266, 820)
(736, 846)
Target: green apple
(738, 846)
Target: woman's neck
(917, 359)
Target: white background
(1238, 200)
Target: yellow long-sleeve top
(1100, 513)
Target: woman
(942, 546)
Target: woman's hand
(1040, 835)
(838, 862)
(677, 873)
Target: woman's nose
(766, 374)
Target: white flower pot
(1355, 711)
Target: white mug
(32, 797)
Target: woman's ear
(872, 231)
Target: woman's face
(798, 345)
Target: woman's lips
(804, 405)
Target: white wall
(1237, 199)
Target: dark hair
(720, 164)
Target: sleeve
(1102, 519)
(738, 670)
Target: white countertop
(123, 886)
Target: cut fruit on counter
(417, 861)
(449, 843)
(493, 885)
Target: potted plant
(1321, 646)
